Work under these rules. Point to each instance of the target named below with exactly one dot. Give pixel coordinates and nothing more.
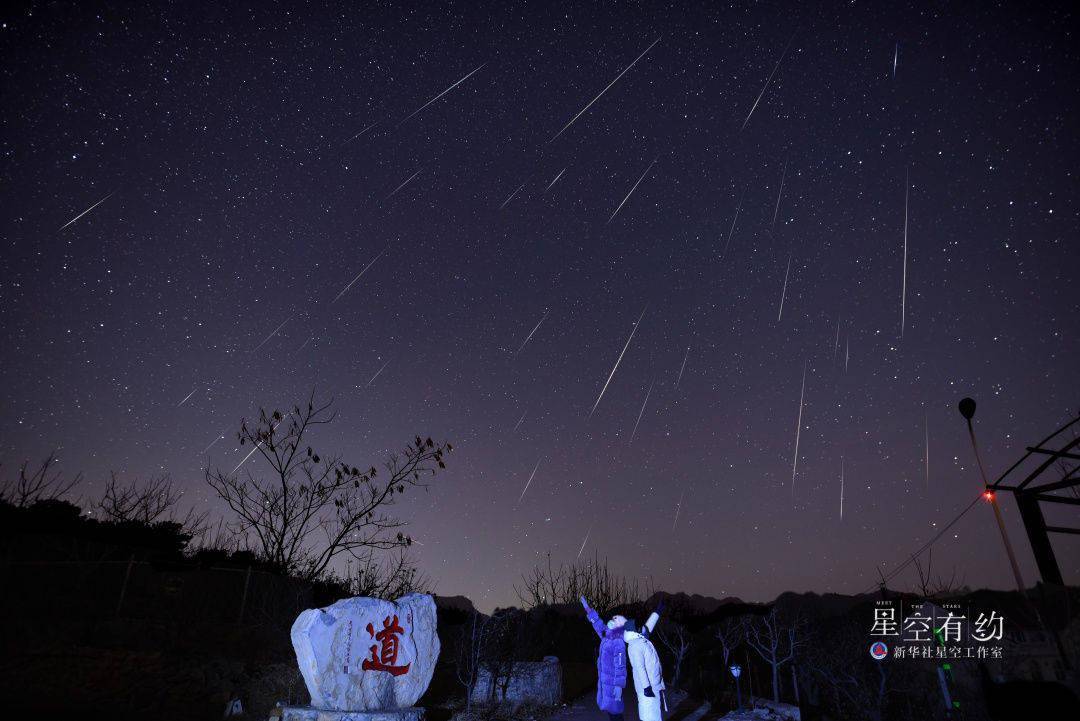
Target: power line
(911, 559)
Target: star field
(249, 161)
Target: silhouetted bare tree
(849, 682)
(41, 484)
(144, 503)
(939, 586)
(310, 509)
(729, 634)
(776, 640)
(147, 503)
(389, 579)
(489, 649)
(470, 648)
(546, 584)
(676, 639)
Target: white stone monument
(365, 660)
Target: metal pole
(1035, 525)
(123, 587)
(749, 675)
(243, 598)
(967, 409)
(943, 684)
(1005, 540)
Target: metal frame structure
(1028, 496)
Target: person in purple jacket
(611, 663)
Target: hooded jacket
(645, 663)
(610, 665)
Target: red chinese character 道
(384, 659)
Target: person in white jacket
(648, 675)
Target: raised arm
(594, 618)
(650, 623)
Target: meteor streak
(529, 337)
(780, 194)
(358, 135)
(407, 180)
(633, 189)
(682, 368)
(377, 373)
(798, 431)
(85, 211)
(903, 287)
(641, 412)
(627, 68)
(252, 451)
(511, 196)
(731, 230)
(212, 443)
(350, 285)
(459, 82)
(678, 509)
(841, 488)
(767, 81)
(926, 428)
(617, 361)
(274, 333)
(783, 293)
(555, 181)
(189, 395)
(256, 446)
(531, 475)
(836, 345)
(584, 542)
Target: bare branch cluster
(776, 640)
(40, 484)
(491, 647)
(933, 587)
(547, 584)
(311, 508)
(676, 639)
(848, 680)
(143, 503)
(729, 634)
(389, 579)
(477, 649)
(147, 503)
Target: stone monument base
(307, 713)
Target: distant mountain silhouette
(820, 605)
(694, 603)
(455, 603)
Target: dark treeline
(129, 605)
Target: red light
(989, 496)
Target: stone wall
(531, 682)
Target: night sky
(245, 163)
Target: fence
(139, 588)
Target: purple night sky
(761, 153)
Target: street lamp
(736, 671)
(967, 410)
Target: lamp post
(967, 410)
(736, 671)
